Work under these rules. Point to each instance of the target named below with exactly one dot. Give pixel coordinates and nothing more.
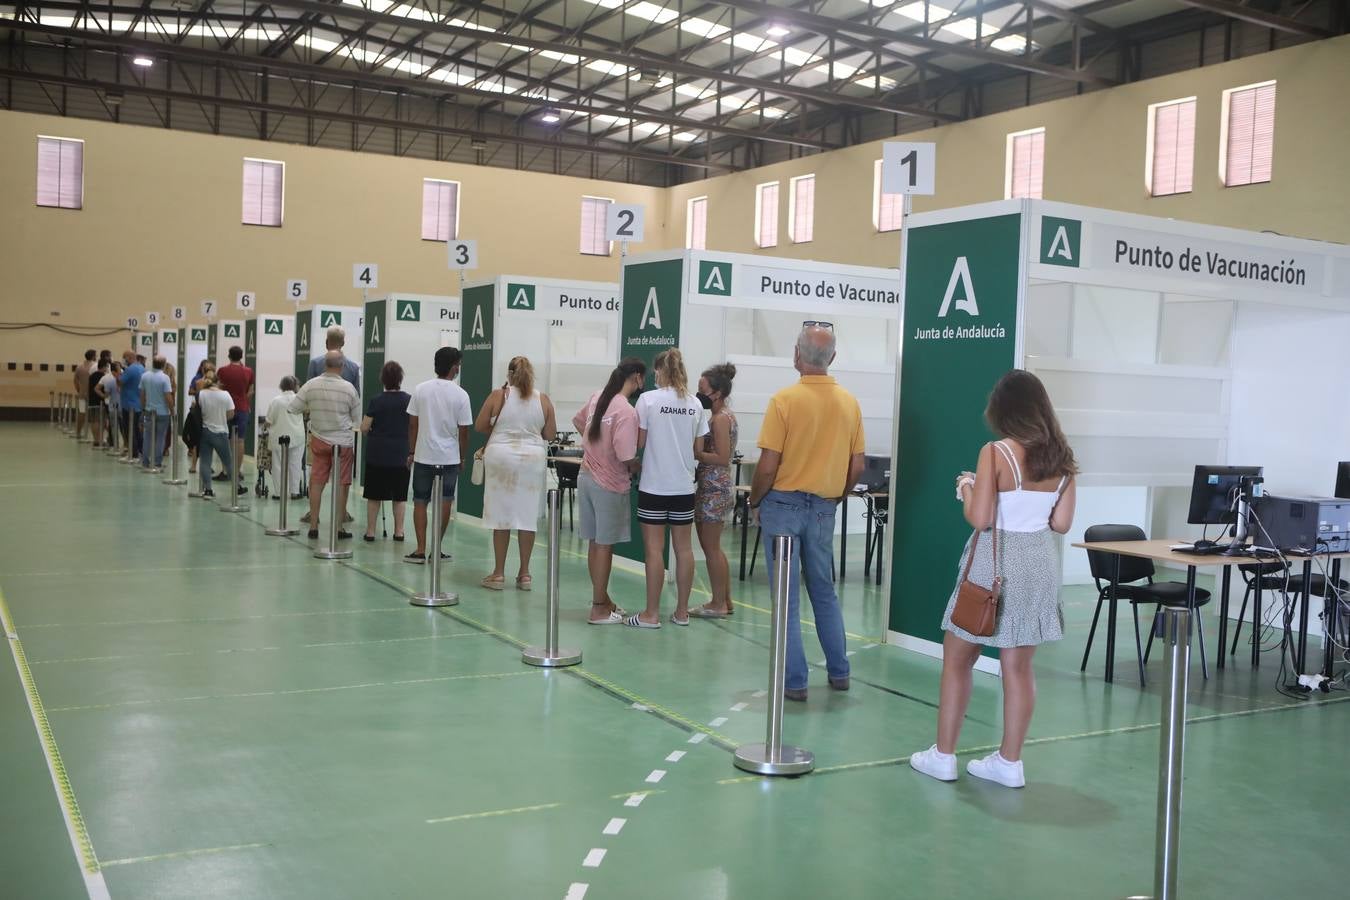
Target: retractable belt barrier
(549, 655)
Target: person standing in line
(811, 452)
(204, 368)
(519, 421)
(157, 398)
(130, 387)
(334, 410)
(1023, 484)
(81, 377)
(716, 495)
(112, 399)
(336, 339)
(94, 401)
(172, 372)
(439, 416)
(608, 426)
(281, 422)
(237, 378)
(671, 426)
(386, 427)
(217, 409)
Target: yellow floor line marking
(1056, 739)
(94, 884)
(493, 813)
(288, 615)
(626, 794)
(227, 650)
(74, 573)
(287, 693)
(180, 854)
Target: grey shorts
(605, 515)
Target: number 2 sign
(623, 223)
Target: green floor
(240, 720)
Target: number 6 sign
(245, 300)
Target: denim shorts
(423, 475)
(239, 424)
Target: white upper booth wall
(407, 329)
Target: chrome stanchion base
(538, 656)
(332, 554)
(792, 760)
(279, 532)
(174, 480)
(128, 460)
(237, 507)
(445, 598)
(196, 495)
(152, 470)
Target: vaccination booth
(568, 329)
(408, 329)
(192, 350)
(269, 350)
(311, 327)
(225, 334)
(1163, 345)
(748, 310)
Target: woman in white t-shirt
(671, 423)
(217, 408)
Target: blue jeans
(809, 519)
(213, 442)
(154, 454)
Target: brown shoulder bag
(976, 610)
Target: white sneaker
(934, 764)
(997, 769)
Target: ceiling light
(478, 144)
(779, 31)
(143, 61)
(549, 117)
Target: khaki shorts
(81, 405)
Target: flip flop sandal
(525, 583)
(675, 621)
(493, 584)
(636, 622)
(704, 612)
(614, 618)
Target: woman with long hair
(204, 368)
(385, 425)
(608, 426)
(519, 422)
(1023, 485)
(671, 426)
(715, 496)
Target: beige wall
(1094, 155)
(161, 227)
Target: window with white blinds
(802, 209)
(60, 172)
(1247, 154)
(440, 210)
(887, 209)
(696, 224)
(766, 215)
(1171, 147)
(264, 192)
(593, 210)
(1026, 164)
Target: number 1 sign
(908, 168)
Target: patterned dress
(715, 495)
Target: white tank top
(1023, 510)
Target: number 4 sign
(623, 223)
(908, 168)
(365, 275)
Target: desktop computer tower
(1302, 524)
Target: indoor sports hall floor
(231, 718)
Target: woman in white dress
(519, 422)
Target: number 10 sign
(908, 168)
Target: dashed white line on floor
(635, 800)
(656, 776)
(697, 737)
(737, 707)
(576, 890)
(615, 826)
(718, 722)
(640, 707)
(594, 858)
(758, 694)
(675, 756)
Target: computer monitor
(1214, 493)
(1343, 480)
(876, 473)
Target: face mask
(704, 399)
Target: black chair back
(568, 471)
(1103, 565)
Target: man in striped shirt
(334, 410)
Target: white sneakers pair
(994, 767)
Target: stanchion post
(773, 757)
(284, 489)
(434, 596)
(334, 511)
(51, 400)
(549, 656)
(176, 454)
(235, 505)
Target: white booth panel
(1115, 325)
(1048, 328)
(1126, 391)
(1101, 506)
(1147, 460)
(1195, 331)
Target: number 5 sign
(623, 223)
(297, 290)
(908, 168)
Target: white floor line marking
(697, 737)
(132, 860)
(290, 615)
(656, 776)
(67, 572)
(594, 858)
(738, 707)
(635, 800)
(850, 653)
(675, 756)
(758, 694)
(641, 707)
(576, 890)
(615, 826)
(718, 722)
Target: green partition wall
(475, 376)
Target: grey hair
(336, 336)
(332, 359)
(815, 354)
(288, 383)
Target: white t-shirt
(441, 407)
(217, 406)
(672, 424)
(109, 384)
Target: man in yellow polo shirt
(811, 453)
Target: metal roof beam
(1265, 19)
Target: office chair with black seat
(1124, 574)
(567, 471)
(1275, 577)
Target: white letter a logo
(966, 303)
(651, 312)
(714, 280)
(1060, 245)
(477, 330)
